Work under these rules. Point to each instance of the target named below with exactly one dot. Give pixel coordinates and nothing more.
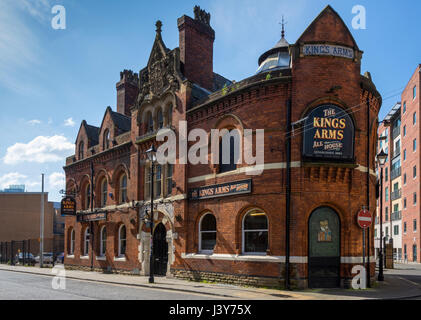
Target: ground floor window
(86, 242)
(255, 232)
(207, 233)
(103, 241)
(72, 242)
(122, 241)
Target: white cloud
(40, 150)
(56, 180)
(69, 122)
(34, 122)
(11, 178)
(16, 178)
(39, 9)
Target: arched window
(123, 189)
(87, 195)
(106, 139)
(255, 232)
(122, 240)
(149, 122)
(81, 147)
(207, 233)
(72, 242)
(103, 241)
(104, 192)
(229, 151)
(158, 181)
(160, 119)
(86, 239)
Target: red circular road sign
(364, 219)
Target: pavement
(404, 282)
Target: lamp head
(151, 153)
(382, 157)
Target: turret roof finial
(158, 27)
(283, 23)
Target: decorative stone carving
(162, 72)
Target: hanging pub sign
(68, 206)
(220, 190)
(329, 134)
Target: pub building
(215, 221)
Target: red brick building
(239, 235)
(401, 207)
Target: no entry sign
(364, 219)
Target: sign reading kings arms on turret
(329, 134)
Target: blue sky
(50, 80)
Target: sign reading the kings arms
(329, 134)
(220, 190)
(68, 206)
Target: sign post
(364, 220)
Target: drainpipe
(288, 197)
(368, 189)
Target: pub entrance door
(324, 249)
(160, 250)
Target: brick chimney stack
(196, 48)
(127, 91)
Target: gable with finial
(329, 27)
(163, 70)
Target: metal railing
(396, 216)
(396, 153)
(395, 195)
(395, 173)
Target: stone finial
(158, 25)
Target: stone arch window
(255, 232)
(207, 233)
(86, 197)
(149, 123)
(72, 242)
(160, 119)
(81, 150)
(86, 239)
(103, 241)
(106, 144)
(122, 241)
(229, 151)
(104, 192)
(122, 189)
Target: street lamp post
(151, 153)
(381, 158)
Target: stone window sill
(121, 259)
(70, 256)
(84, 257)
(101, 258)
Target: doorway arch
(160, 250)
(324, 246)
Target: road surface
(23, 286)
